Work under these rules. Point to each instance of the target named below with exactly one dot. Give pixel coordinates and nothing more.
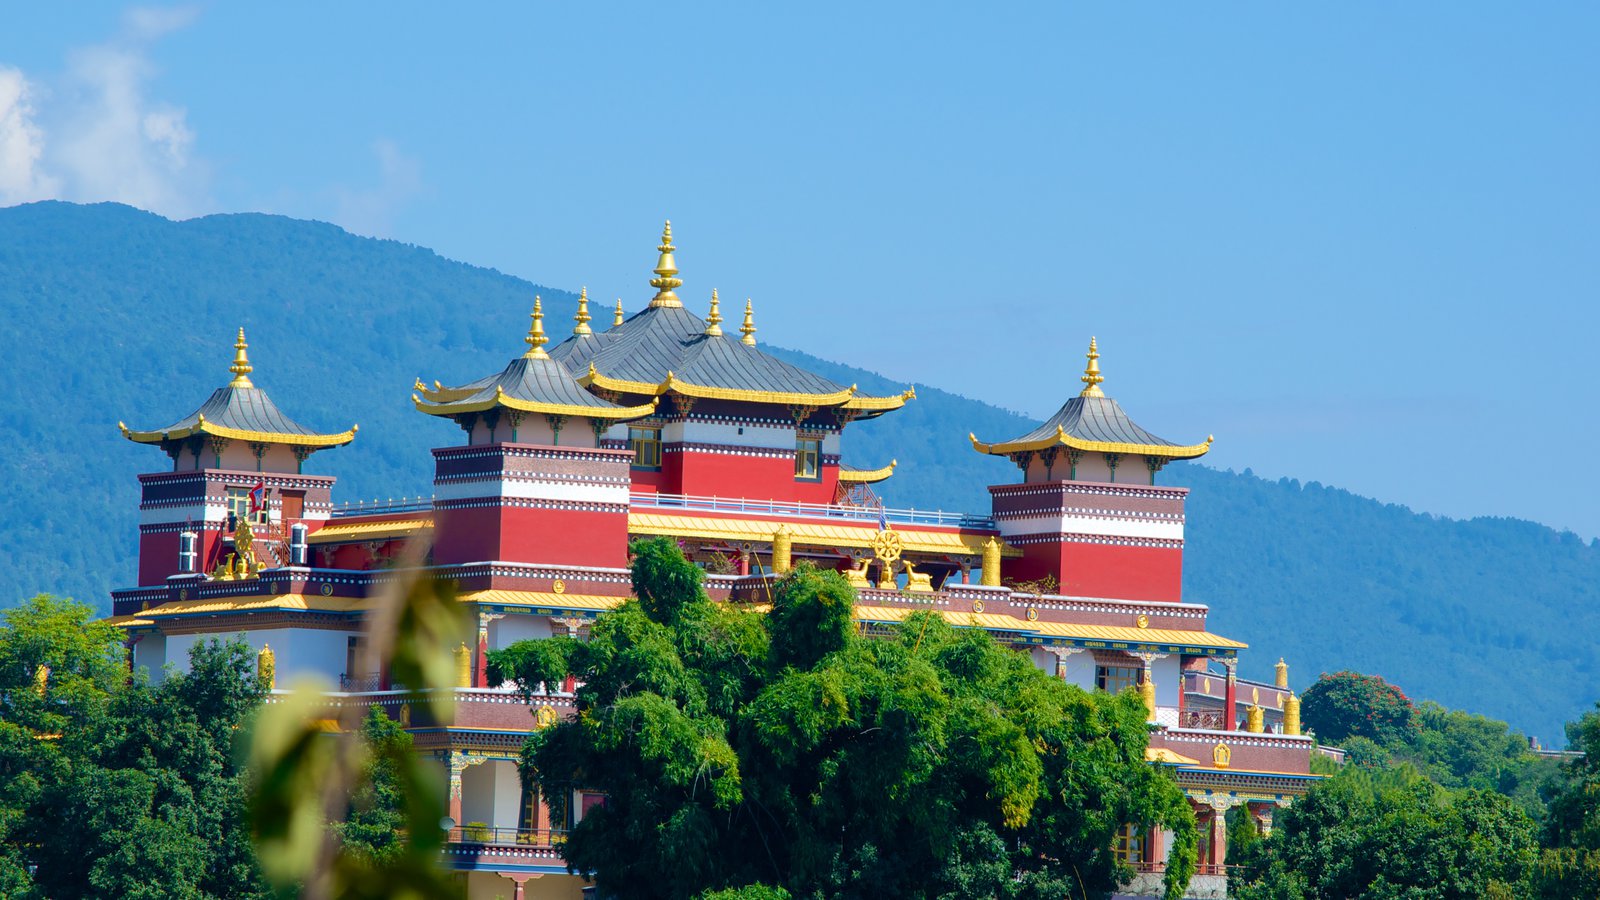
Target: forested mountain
(108, 313)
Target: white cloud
(21, 143)
(100, 136)
(371, 210)
(146, 23)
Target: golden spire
(582, 317)
(748, 329)
(714, 320)
(665, 270)
(536, 339)
(241, 367)
(1091, 375)
(618, 320)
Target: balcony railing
(651, 500)
(383, 507)
(361, 684)
(516, 837)
(1205, 719)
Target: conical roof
(1093, 422)
(241, 411)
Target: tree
(1349, 704)
(110, 786)
(1390, 834)
(1571, 867)
(749, 752)
(376, 825)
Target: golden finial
(1091, 375)
(618, 319)
(536, 339)
(582, 318)
(748, 329)
(241, 367)
(714, 320)
(665, 270)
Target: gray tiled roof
(658, 340)
(535, 381)
(244, 409)
(1093, 419)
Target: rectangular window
(808, 458)
(239, 506)
(645, 442)
(1128, 845)
(1116, 679)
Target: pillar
(481, 673)
(744, 562)
(1155, 850)
(1230, 711)
(1219, 838)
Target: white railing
(383, 507)
(651, 500)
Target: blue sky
(1359, 245)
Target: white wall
(296, 651)
(505, 632)
(151, 654)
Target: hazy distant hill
(110, 313)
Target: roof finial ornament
(241, 367)
(582, 318)
(536, 339)
(666, 270)
(714, 320)
(618, 319)
(748, 329)
(1091, 375)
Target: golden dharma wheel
(886, 545)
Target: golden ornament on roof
(241, 367)
(714, 319)
(1091, 374)
(536, 339)
(749, 327)
(582, 317)
(666, 280)
(618, 319)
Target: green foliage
(110, 786)
(1391, 834)
(374, 828)
(1348, 704)
(745, 753)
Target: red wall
(1104, 570)
(522, 534)
(753, 477)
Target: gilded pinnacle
(241, 367)
(714, 320)
(666, 271)
(582, 318)
(1091, 374)
(618, 320)
(748, 329)
(536, 339)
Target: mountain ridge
(118, 314)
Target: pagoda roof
(533, 382)
(241, 411)
(1096, 423)
(666, 348)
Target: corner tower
(1088, 513)
(237, 460)
(532, 484)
